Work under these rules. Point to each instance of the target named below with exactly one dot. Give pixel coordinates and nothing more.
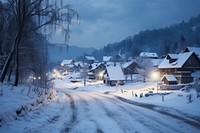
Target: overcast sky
(108, 21)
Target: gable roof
(126, 64)
(181, 58)
(169, 77)
(193, 49)
(67, 62)
(96, 65)
(115, 73)
(90, 58)
(106, 58)
(148, 55)
(172, 56)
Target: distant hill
(170, 39)
(57, 53)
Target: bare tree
(146, 67)
(44, 13)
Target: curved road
(99, 113)
(91, 112)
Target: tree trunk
(9, 76)
(17, 65)
(6, 65)
(17, 42)
(13, 51)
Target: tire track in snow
(111, 113)
(193, 122)
(158, 124)
(84, 114)
(69, 125)
(54, 117)
(139, 116)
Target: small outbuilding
(169, 79)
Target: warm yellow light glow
(155, 75)
(101, 74)
(58, 74)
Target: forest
(171, 39)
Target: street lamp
(155, 76)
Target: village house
(118, 58)
(114, 76)
(68, 65)
(106, 59)
(180, 65)
(89, 59)
(130, 69)
(97, 71)
(149, 55)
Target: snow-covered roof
(66, 62)
(115, 73)
(78, 63)
(106, 58)
(156, 62)
(169, 77)
(180, 60)
(90, 57)
(194, 49)
(173, 56)
(148, 55)
(95, 65)
(126, 64)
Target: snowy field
(97, 108)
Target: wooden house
(97, 71)
(180, 65)
(114, 76)
(118, 58)
(68, 65)
(89, 59)
(129, 69)
(169, 79)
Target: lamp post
(155, 76)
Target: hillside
(57, 53)
(170, 39)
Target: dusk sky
(108, 21)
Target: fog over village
(92, 66)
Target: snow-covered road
(79, 111)
(96, 112)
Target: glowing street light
(101, 75)
(155, 76)
(58, 75)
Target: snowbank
(15, 102)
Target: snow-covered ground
(97, 108)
